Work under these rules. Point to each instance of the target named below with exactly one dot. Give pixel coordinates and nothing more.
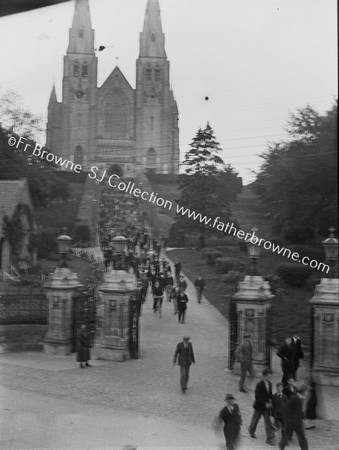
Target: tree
(298, 179)
(208, 185)
(16, 118)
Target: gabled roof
(13, 192)
(117, 76)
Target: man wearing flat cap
(185, 356)
(243, 355)
(231, 417)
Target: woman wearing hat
(231, 417)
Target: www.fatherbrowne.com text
(152, 197)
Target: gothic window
(78, 155)
(76, 68)
(153, 37)
(85, 69)
(117, 115)
(157, 75)
(151, 158)
(148, 74)
(81, 33)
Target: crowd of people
(284, 410)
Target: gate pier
(251, 311)
(60, 288)
(117, 294)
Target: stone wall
(22, 337)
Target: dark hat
(229, 397)
(186, 338)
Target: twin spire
(152, 39)
(81, 35)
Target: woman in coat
(83, 345)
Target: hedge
(224, 265)
(293, 274)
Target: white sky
(256, 60)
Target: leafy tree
(16, 118)
(207, 187)
(298, 179)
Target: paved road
(48, 402)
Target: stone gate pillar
(60, 288)
(253, 305)
(113, 315)
(325, 329)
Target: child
(278, 410)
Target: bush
(293, 274)
(176, 237)
(233, 277)
(243, 246)
(224, 265)
(82, 233)
(211, 255)
(297, 235)
(313, 253)
(205, 251)
(273, 281)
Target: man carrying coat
(185, 356)
(262, 407)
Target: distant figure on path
(177, 269)
(262, 407)
(231, 417)
(243, 355)
(199, 286)
(168, 285)
(185, 356)
(182, 283)
(83, 346)
(182, 301)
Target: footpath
(47, 402)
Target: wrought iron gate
(84, 312)
(233, 332)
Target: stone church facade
(129, 131)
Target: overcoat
(83, 345)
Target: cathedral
(115, 127)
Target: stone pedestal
(112, 340)
(60, 288)
(253, 304)
(325, 308)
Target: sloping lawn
(291, 310)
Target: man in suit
(262, 407)
(185, 356)
(278, 410)
(243, 354)
(297, 354)
(285, 352)
(231, 417)
(294, 420)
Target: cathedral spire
(152, 39)
(81, 35)
(53, 98)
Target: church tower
(79, 93)
(157, 135)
